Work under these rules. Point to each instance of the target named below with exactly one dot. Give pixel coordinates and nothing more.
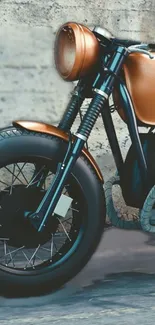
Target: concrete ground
(116, 287)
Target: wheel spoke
(11, 258)
(57, 249)
(32, 182)
(12, 179)
(29, 261)
(15, 176)
(43, 179)
(67, 220)
(64, 230)
(26, 256)
(45, 249)
(21, 171)
(12, 252)
(72, 209)
(5, 251)
(51, 246)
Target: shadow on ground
(117, 285)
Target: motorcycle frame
(107, 78)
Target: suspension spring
(71, 113)
(91, 116)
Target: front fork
(103, 87)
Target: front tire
(19, 145)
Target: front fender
(52, 130)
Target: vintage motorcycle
(52, 201)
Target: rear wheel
(32, 263)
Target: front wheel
(32, 263)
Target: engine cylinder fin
(145, 213)
(112, 211)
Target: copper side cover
(52, 130)
(139, 72)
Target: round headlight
(76, 51)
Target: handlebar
(140, 48)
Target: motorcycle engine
(133, 190)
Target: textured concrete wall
(29, 85)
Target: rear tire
(19, 144)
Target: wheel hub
(14, 221)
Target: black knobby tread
(6, 133)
